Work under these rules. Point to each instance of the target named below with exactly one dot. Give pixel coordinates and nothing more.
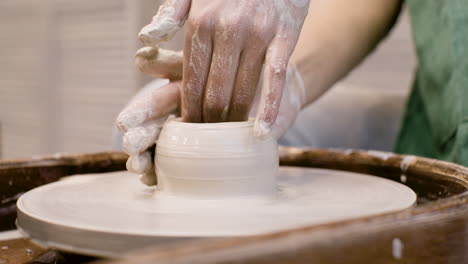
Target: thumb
(170, 18)
(160, 63)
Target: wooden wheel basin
(434, 231)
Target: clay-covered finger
(158, 100)
(138, 139)
(169, 19)
(223, 71)
(274, 77)
(160, 63)
(140, 163)
(197, 58)
(248, 76)
(291, 102)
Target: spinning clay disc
(111, 213)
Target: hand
(142, 119)
(292, 101)
(226, 44)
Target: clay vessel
(215, 160)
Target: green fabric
(436, 120)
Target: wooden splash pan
(434, 231)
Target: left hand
(142, 119)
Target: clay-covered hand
(226, 44)
(142, 119)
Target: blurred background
(66, 70)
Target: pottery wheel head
(111, 213)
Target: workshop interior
(108, 156)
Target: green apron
(435, 124)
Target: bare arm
(336, 36)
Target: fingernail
(261, 129)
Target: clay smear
(162, 28)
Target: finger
(258, 92)
(223, 70)
(169, 19)
(197, 58)
(159, 102)
(274, 77)
(138, 139)
(248, 82)
(139, 163)
(248, 76)
(291, 102)
(148, 177)
(160, 63)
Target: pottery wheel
(108, 214)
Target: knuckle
(128, 144)
(277, 69)
(259, 38)
(121, 122)
(257, 30)
(233, 21)
(228, 27)
(200, 23)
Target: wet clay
(215, 160)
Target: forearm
(336, 36)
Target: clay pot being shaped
(215, 160)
